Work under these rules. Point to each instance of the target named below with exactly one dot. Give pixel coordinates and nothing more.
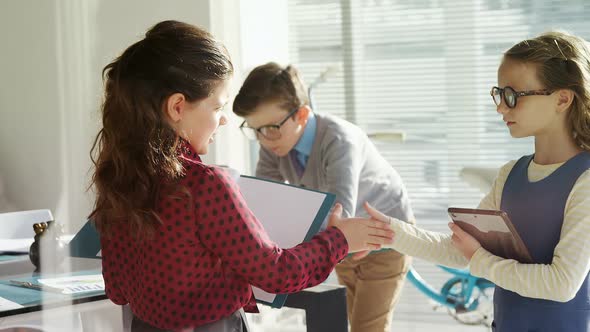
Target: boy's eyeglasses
(271, 132)
(510, 95)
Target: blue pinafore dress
(537, 211)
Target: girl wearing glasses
(543, 91)
(179, 244)
(322, 152)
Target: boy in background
(323, 152)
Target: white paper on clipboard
(286, 222)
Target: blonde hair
(563, 62)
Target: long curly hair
(135, 153)
(563, 62)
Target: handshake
(363, 235)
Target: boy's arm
(268, 166)
(343, 163)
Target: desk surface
(34, 300)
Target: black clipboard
(494, 231)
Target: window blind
(423, 68)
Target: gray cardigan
(345, 162)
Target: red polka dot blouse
(200, 264)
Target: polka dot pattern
(200, 264)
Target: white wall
(264, 37)
(53, 52)
(265, 34)
(230, 147)
(52, 55)
(30, 123)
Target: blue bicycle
(468, 299)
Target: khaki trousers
(373, 287)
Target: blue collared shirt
(305, 143)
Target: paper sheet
(16, 245)
(22, 244)
(8, 305)
(286, 212)
(76, 284)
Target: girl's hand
(361, 234)
(376, 214)
(461, 240)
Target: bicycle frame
(463, 300)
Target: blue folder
(86, 243)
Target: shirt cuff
(337, 243)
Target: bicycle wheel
(479, 309)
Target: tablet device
(494, 231)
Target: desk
(49, 312)
(324, 305)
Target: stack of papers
(22, 245)
(76, 284)
(8, 305)
(16, 245)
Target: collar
(305, 143)
(186, 151)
